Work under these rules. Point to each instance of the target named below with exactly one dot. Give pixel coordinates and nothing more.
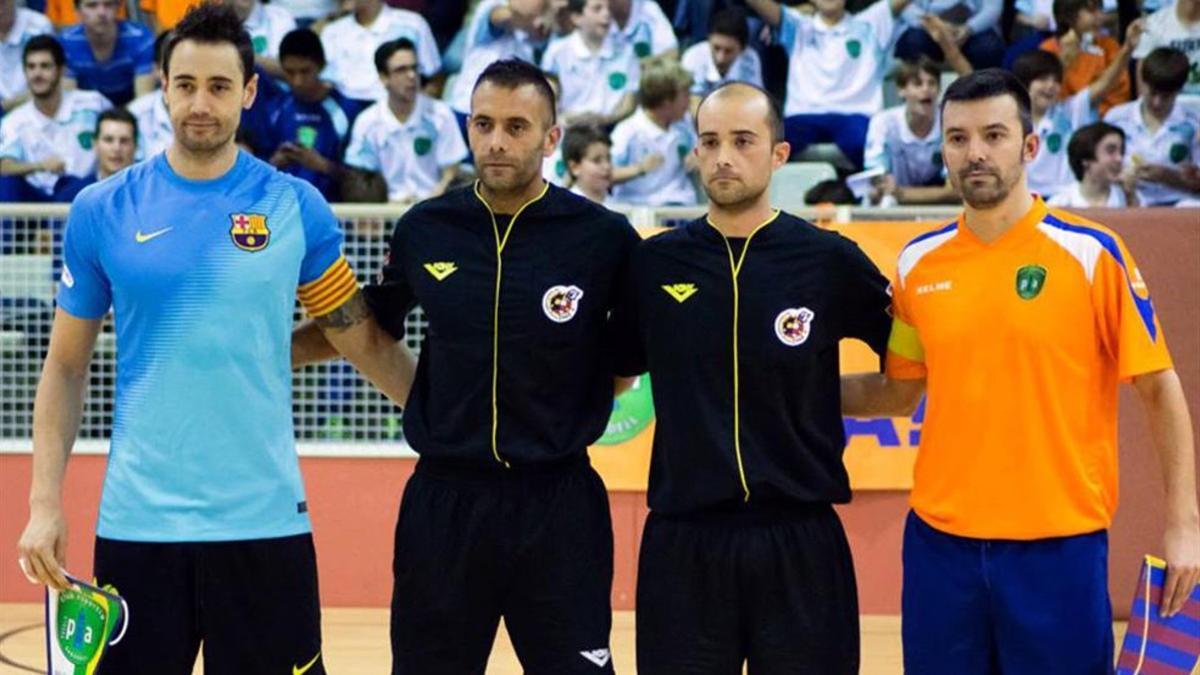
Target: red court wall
(353, 501)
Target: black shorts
(772, 588)
(532, 545)
(253, 604)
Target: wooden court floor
(356, 643)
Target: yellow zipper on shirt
(501, 241)
(735, 268)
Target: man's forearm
(1171, 431)
(986, 17)
(876, 395)
(12, 102)
(309, 345)
(1111, 74)
(769, 10)
(12, 167)
(57, 411)
(626, 108)
(384, 360)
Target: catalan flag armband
(329, 291)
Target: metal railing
(335, 411)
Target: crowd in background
(369, 101)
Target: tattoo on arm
(352, 312)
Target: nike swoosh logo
(301, 670)
(143, 238)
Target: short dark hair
(832, 191)
(774, 111)
(44, 43)
(514, 73)
(117, 115)
(160, 47)
(387, 49)
(1036, 64)
(1066, 11)
(989, 83)
(1165, 70)
(1083, 144)
(910, 71)
(578, 138)
(302, 43)
(212, 22)
(576, 6)
(732, 22)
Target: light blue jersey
(202, 277)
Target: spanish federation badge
(81, 623)
(249, 231)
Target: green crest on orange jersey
(1030, 280)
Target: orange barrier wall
(353, 501)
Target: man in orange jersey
(1020, 321)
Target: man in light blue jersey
(200, 252)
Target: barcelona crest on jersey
(249, 231)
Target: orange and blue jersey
(202, 278)
(1022, 342)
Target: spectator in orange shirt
(62, 13)
(1085, 53)
(164, 14)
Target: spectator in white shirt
(1176, 26)
(408, 137)
(654, 147)
(350, 43)
(1097, 156)
(17, 26)
(51, 135)
(906, 141)
(499, 29)
(587, 151)
(597, 72)
(266, 24)
(1055, 120)
(154, 132)
(1162, 131)
(723, 57)
(642, 25)
(835, 70)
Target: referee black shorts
(771, 587)
(253, 604)
(531, 544)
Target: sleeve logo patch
(561, 303)
(792, 326)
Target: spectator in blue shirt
(115, 58)
(310, 128)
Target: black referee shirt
(516, 366)
(741, 342)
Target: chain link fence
(336, 412)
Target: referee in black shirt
(738, 316)
(504, 515)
